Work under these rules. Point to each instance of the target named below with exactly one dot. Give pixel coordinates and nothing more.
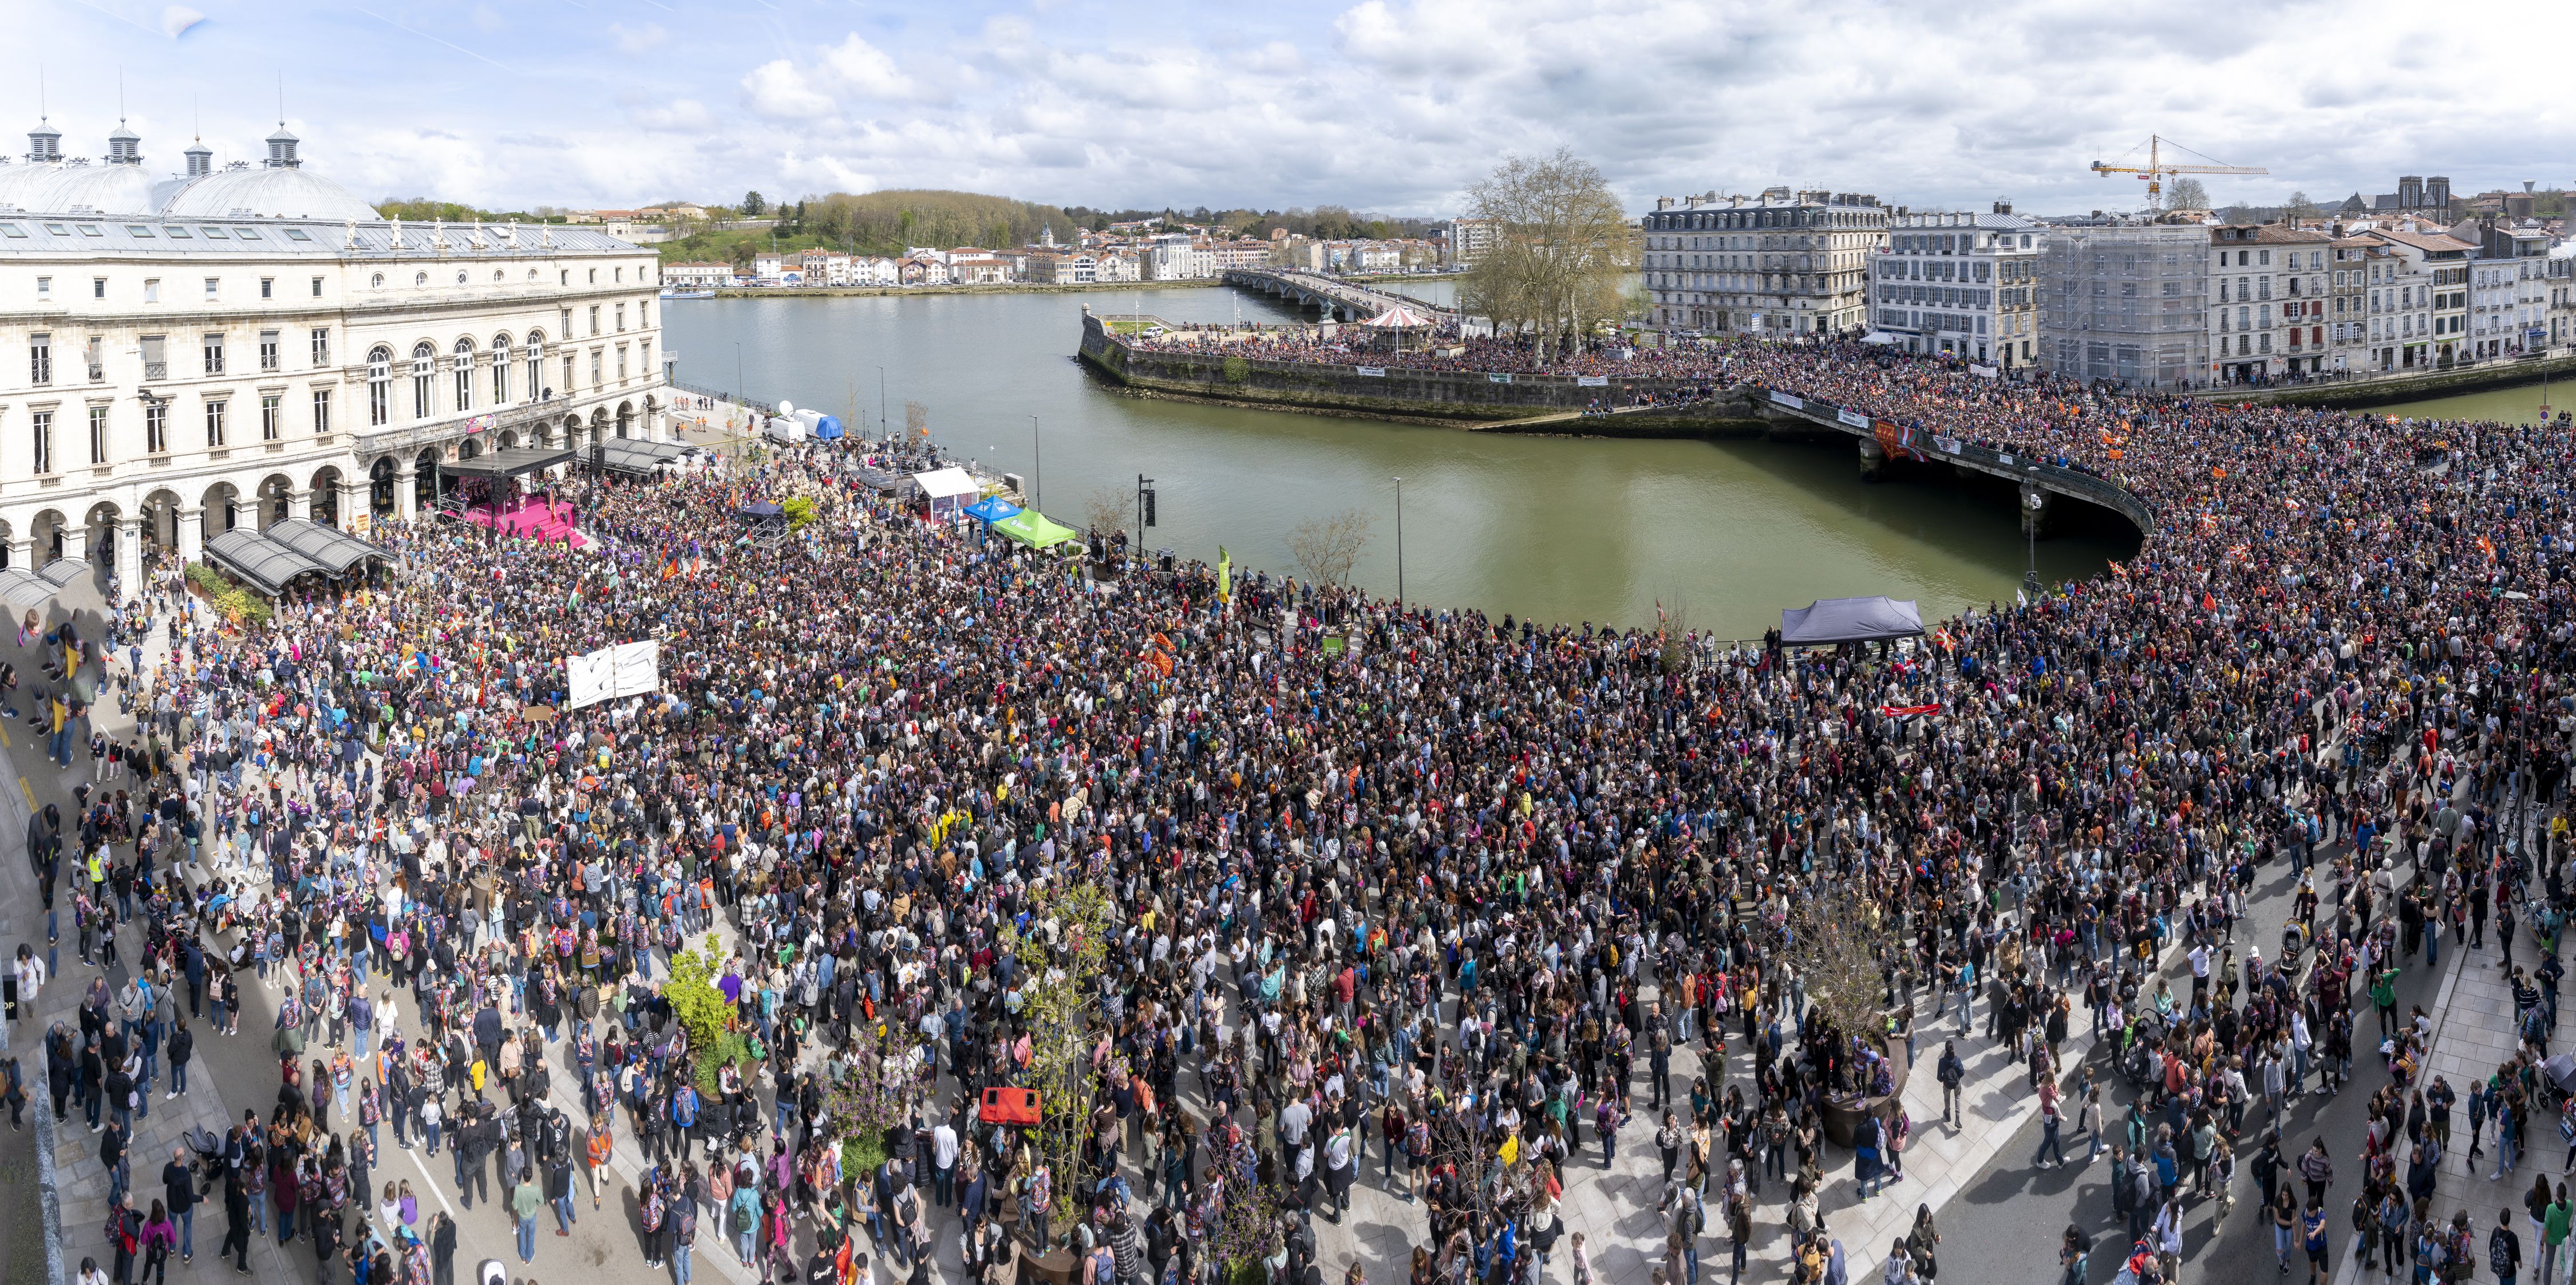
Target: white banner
(1592, 381)
(627, 669)
(1372, 372)
(1497, 379)
(2005, 458)
(1790, 400)
(1854, 418)
(1984, 372)
(1950, 444)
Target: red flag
(1907, 711)
(2208, 603)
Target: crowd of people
(1451, 887)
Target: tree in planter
(1833, 943)
(874, 1092)
(1059, 958)
(1246, 1228)
(703, 1012)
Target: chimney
(2003, 207)
(44, 142)
(1663, 203)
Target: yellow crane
(2156, 168)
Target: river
(1548, 528)
(2519, 405)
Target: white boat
(688, 294)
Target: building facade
(2267, 302)
(2421, 301)
(2126, 302)
(1780, 265)
(2509, 290)
(183, 355)
(1962, 285)
(2350, 263)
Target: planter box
(1842, 1116)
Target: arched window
(500, 370)
(536, 363)
(420, 281)
(378, 281)
(464, 375)
(380, 386)
(424, 362)
(460, 276)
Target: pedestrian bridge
(1346, 300)
(2041, 482)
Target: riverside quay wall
(1389, 391)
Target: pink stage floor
(531, 519)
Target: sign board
(1790, 400)
(1592, 381)
(1948, 444)
(1853, 418)
(1372, 372)
(1497, 379)
(1983, 371)
(627, 669)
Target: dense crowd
(1453, 888)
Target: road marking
(435, 1187)
(29, 791)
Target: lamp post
(2034, 499)
(881, 404)
(1399, 540)
(1037, 465)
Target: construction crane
(2156, 168)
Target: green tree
(1060, 957)
(753, 204)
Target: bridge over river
(1347, 300)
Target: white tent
(1400, 318)
(948, 489)
(1878, 337)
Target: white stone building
(181, 356)
(1963, 285)
(2269, 285)
(1779, 265)
(2509, 290)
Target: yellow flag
(1224, 576)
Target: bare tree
(1562, 252)
(2300, 208)
(1327, 548)
(916, 420)
(2187, 194)
(1105, 510)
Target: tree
(2187, 194)
(1105, 511)
(752, 205)
(2300, 207)
(1562, 250)
(916, 420)
(1833, 942)
(1058, 960)
(1327, 548)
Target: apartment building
(1779, 265)
(1963, 285)
(2267, 302)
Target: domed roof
(269, 192)
(62, 188)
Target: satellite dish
(2036, 498)
(786, 408)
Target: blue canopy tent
(828, 429)
(991, 509)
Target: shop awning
(641, 459)
(334, 550)
(1034, 529)
(1842, 620)
(268, 565)
(510, 463)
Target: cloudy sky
(1385, 105)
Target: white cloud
(635, 40)
(865, 70)
(778, 89)
(681, 114)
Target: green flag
(1224, 576)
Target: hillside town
(1147, 250)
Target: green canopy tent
(1034, 529)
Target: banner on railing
(1592, 381)
(1984, 372)
(1855, 418)
(479, 424)
(1790, 400)
(1373, 372)
(1498, 379)
(1894, 442)
(2004, 458)
(1949, 445)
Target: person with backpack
(2504, 1249)
(1951, 1072)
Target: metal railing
(737, 399)
(2055, 477)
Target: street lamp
(881, 404)
(2035, 500)
(1037, 466)
(1399, 539)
